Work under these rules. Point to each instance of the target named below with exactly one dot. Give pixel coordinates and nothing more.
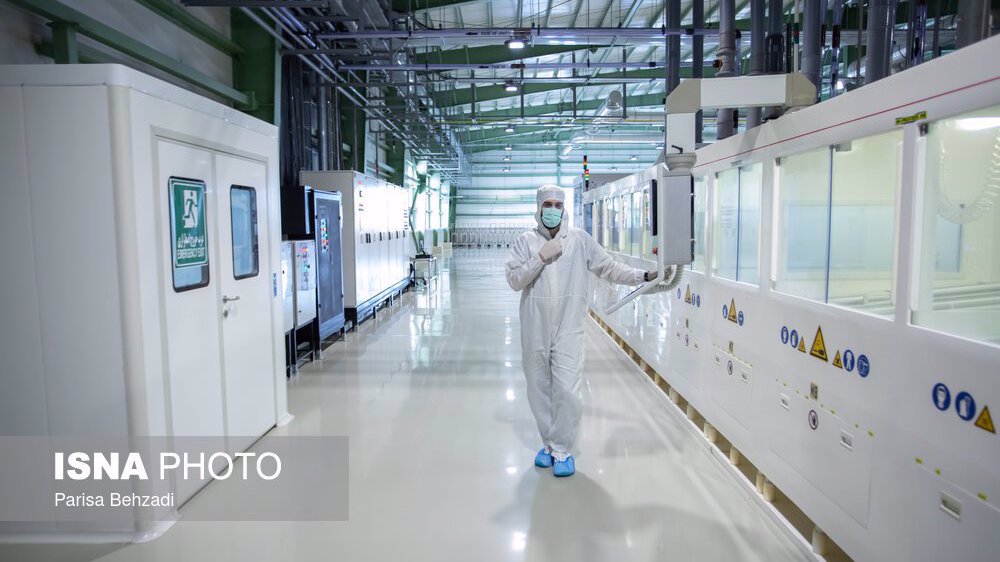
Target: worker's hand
(669, 276)
(550, 251)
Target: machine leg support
(734, 456)
(768, 490)
(711, 433)
(819, 541)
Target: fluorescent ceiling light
(978, 123)
(514, 43)
(508, 148)
(508, 129)
(510, 86)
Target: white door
(186, 193)
(245, 298)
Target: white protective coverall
(553, 312)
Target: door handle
(226, 299)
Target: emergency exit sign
(187, 218)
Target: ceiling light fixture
(633, 158)
(508, 129)
(510, 86)
(506, 158)
(507, 169)
(514, 43)
(508, 148)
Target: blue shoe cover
(543, 459)
(564, 468)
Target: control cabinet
(376, 260)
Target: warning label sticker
(985, 421)
(731, 316)
(687, 295)
(819, 346)
(837, 362)
(802, 345)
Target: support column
(698, 64)
(726, 120)
(757, 65)
(811, 41)
(256, 70)
(973, 21)
(881, 17)
(64, 46)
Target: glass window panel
(626, 224)
(726, 228)
(636, 238)
(700, 204)
(613, 223)
(862, 222)
(647, 229)
(803, 216)
(960, 261)
(588, 217)
(749, 241)
(243, 213)
(602, 222)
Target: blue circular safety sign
(941, 396)
(699, 301)
(678, 292)
(739, 318)
(725, 311)
(863, 365)
(849, 360)
(793, 338)
(965, 405)
(784, 334)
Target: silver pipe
(727, 57)
(757, 66)
(335, 79)
(498, 66)
(526, 34)
(811, 61)
(881, 19)
(973, 21)
(838, 13)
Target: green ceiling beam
(182, 18)
(418, 5)
(585, 105)
(492, 54)
(463, 96)
(90, 27)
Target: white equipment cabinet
(376, 255)
(143, 222)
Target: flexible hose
(984, 202)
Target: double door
(216, 302)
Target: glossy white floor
(431, 395)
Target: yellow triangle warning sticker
(687, 295)
(985, 421)
(819, 347)
(732, 310)
(802, 345)
(837, 362)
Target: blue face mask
(551, 217)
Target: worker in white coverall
(550, 266)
